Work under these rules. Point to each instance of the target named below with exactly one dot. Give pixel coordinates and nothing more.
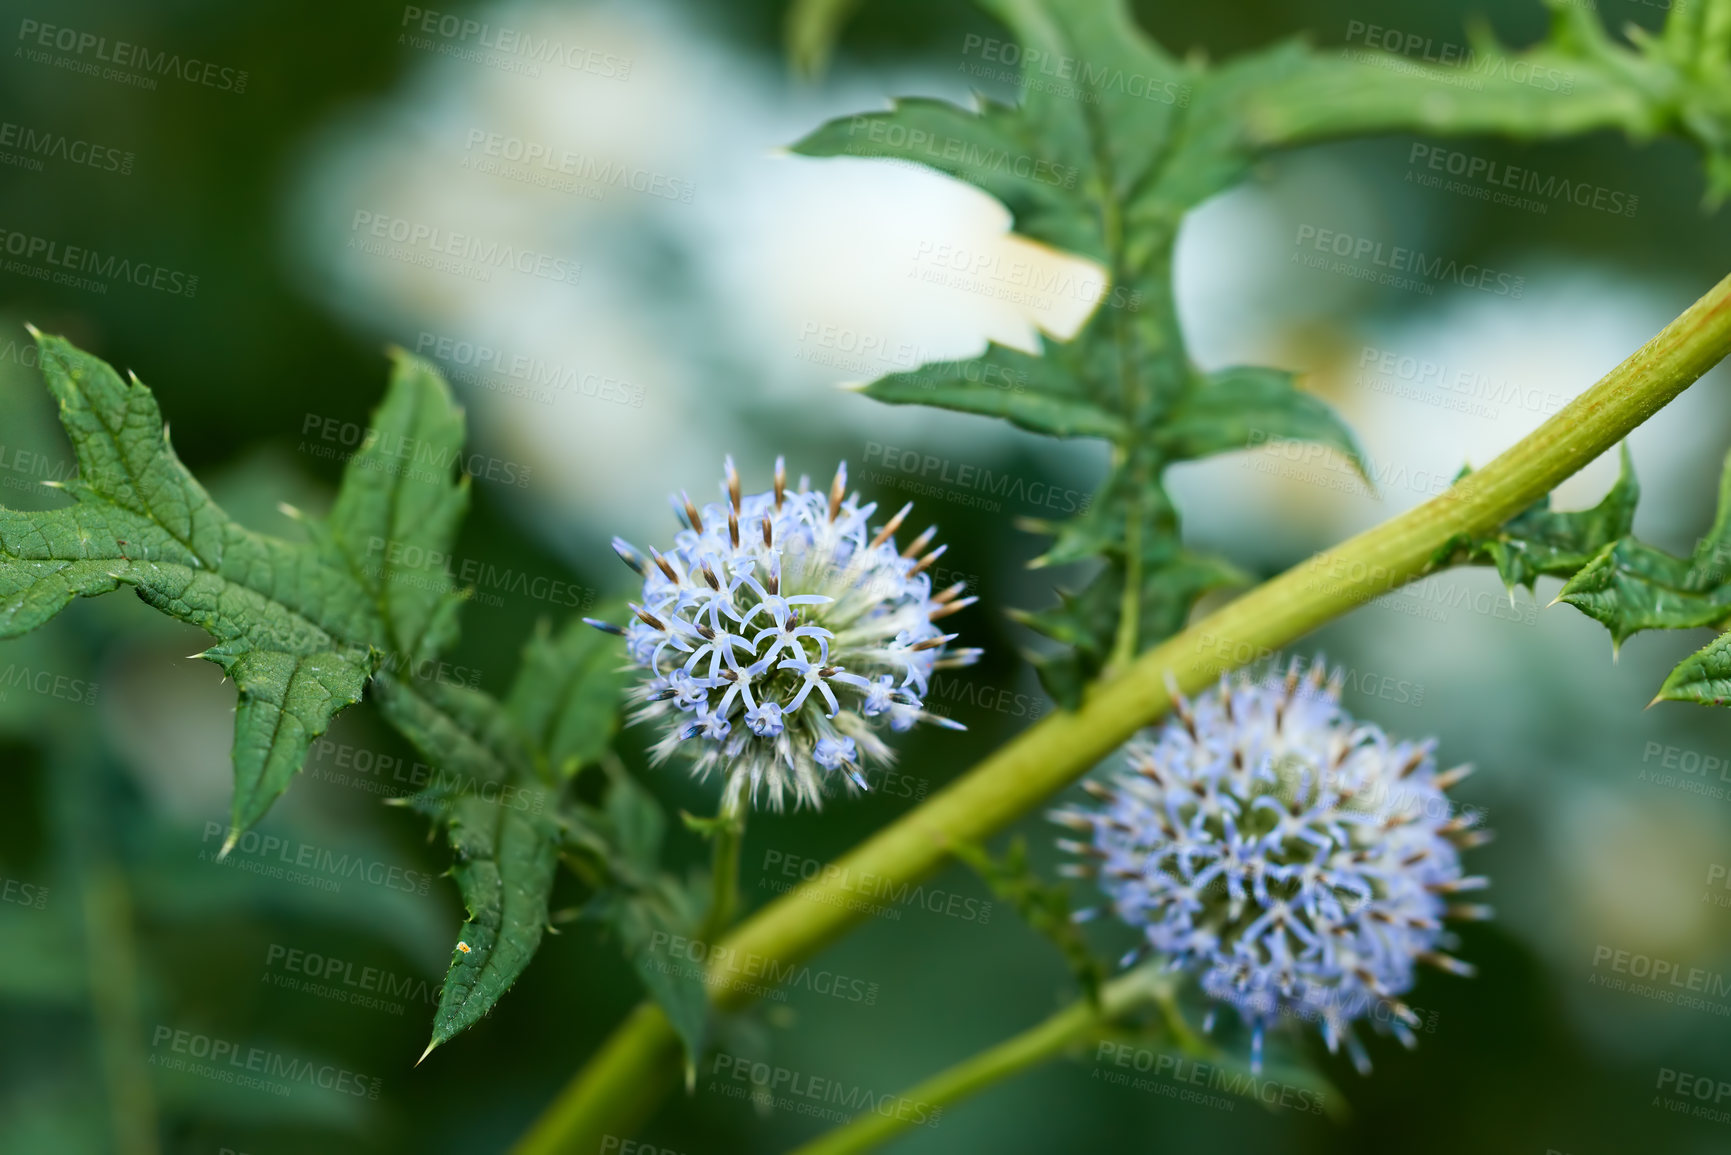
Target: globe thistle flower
(781, 633)
(1299, 863)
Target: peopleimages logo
(228, 1062)
(408, 456)
(876, 891)
(81, 267)
(872, 132)
(1071, 76)
(446, 251)
(901, 466)
(585, 171)
(725, 968)
(31, 146)
(1396, 259)
(538, 379)
(1499, 176)
(770, 1087)
(1473, 67)
(523, 48)
(409, 563)
(122, 55)
(270, 854)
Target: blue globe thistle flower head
(1299, 863)
(782, 633)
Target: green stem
(1076, 1023)
(724, 871)
(1062, 747)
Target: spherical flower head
(781, 633)
(1297, 862)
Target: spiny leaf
(1104, 170)
(1621, 582)
(504, 838)
(293, 628)
(1104, 159)
(304, 628)
(1630, 586)
(1703, 677)
(1540, 540)
(400, 507)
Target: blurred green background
(712, 310)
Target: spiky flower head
(782, 633)
(1299, 863)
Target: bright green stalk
(644, 1053)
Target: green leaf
(1629, 586)
(1247, 406)
(1621, 582)
(1113, 140)
(303, 628)
(496, 794)
(1540, 540)
(1102, 164)
(503, 834)
(400, 507)
(1704, 677)
(293, 628)
(1031, 392)
(566, 695)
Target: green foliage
(1620, 581)
(304, 628)
(1540, 540)
(1103, 158)
(292, 623)
(1043, 905)
(648, 902)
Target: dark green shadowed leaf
(498, 816)
(648, 907)
(566, 694)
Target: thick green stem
(1076, 1023)
(1062, 747)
